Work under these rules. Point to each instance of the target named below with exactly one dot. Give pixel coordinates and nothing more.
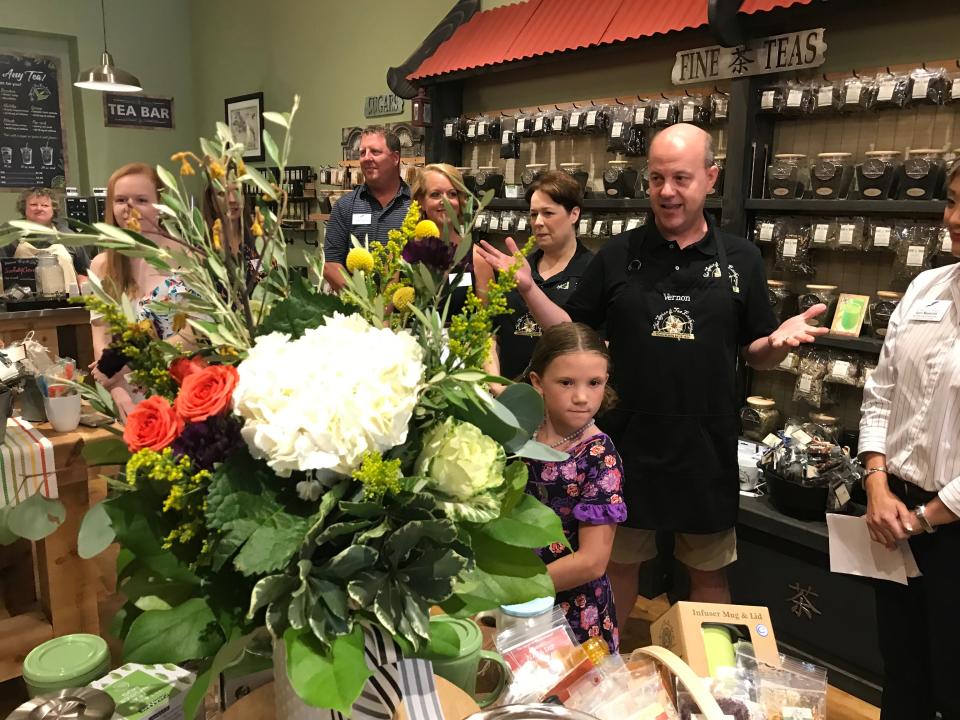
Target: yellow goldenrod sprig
(378, 476)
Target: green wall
(151, 39)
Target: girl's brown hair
(566, 338)
(118, 272)
(559, 186)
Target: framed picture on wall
(244, 115)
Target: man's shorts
(712, 551)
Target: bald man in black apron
(680, 300)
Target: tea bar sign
(778, 53)
(138, 111)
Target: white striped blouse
(911, 402)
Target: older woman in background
(40, 205)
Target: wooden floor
(840, 705)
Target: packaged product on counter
(773, 98)
(795, 691)
(843, 368)
(811, 373)
(793, 248)
(880, 235)
(601, 227)
(146, 692)
(508, 222)
(630, 689)
(859, 94)
(798, 98)
(850, 234)
(791, 363)
(665, 112)
(731, 690)
(828, 97)
(953, 88)
(821, 425)
(893, 90)
(930, 86)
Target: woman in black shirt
(557, 264)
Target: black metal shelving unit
(912, 208)
(603, 204)
(857, 344)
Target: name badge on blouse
(929, 310)
(362, 218)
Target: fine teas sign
(779, 53)
(139, 111)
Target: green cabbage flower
(461, 462)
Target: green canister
(65, 662)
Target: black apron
(677, 431)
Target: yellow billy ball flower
(133, 220)
(403, 297)
(426, 228)
(241, 168)
(216, 170)
(359, 259)
(217, 234)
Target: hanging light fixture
(106, 76)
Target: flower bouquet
(310, 464)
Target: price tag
(853, 92)
(505, 137)
(846, 234)
(788, 362)
(820, 233)
(521, 125)
(790, 247)
(591, 118)
(598, 227)
(482, 127)
(955, 89)
(841, 368)
(842, 494)
(663, 111)
(633, 223)
(471, 130)
(687, 113)
(799, 435)
(771, 440)
(805, 383)
(915, 255)
(448, 130)
(616, 129)
(920, 86)
(794, 98)
(825, 96)
(881, 237)
(584, 227)
(794, 713)
(616, 227)
(766, 100)
(640, 116)
(886, 90)
(946, 245)
(575, 119)
(766, 232)
(494, 222)
(538, 124)
(511, 191)
(812, 472)
(521, 223)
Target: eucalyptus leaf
(260, 181)
(96, 532)
(525, 404)
(536, 450)
(36, 517)
(282, 119)
(273, 154)
(167, 178)
(330, 678)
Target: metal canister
(71, 703)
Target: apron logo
(527, 326)
(713, 270)
(564, 286)
(674, 324)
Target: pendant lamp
(106, 76)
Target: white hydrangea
(321, 401)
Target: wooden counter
(68, 585)
(63, 331)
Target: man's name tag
(929, 310)
(362, 218)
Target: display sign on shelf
(31, 131)
(774, 54)
(138, 111)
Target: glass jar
(50, 281)
(531, 172)
(720, 161)
(921, 176)
(489, 177)
(579, 174)
(832, 174)
(882, 309)
(469, 180)
(759, 417)
(876, 175)
(827, 426)
(783, 302)
(826, 294)
(619, 179)
(787, 176)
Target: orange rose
(183, 366)
(206, 392)
(152, 424)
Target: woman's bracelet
(870, 471)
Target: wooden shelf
(858, 344)
(302, 226)
(608, 204)
(318, 217)
(849, 207)
(416, 160)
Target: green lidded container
(65, 662)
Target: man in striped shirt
(371, 210)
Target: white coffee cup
(749, 472)
(63, 412)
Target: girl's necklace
(575, 435)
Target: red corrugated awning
(540, 27)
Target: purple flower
(209, 442)
(432, 252)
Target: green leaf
(152, 602)
(273, 155)
(363, 509)
(167, 178)
(106, 451)
(229, 654)
(536, 450)
(444, 640)
(515, 476)
(7, 537)
(525, 404)
(530, 524)
(349, 562)
(327, 679)
(36, 517)
(282, 119)
(272, 544)
(260, 181)
(184, 633)
(269, 589)
(304, 308)
(96, 532)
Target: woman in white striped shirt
(910, 445)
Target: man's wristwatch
(921, 512)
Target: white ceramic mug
(749, 473)
(63, 412)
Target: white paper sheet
(853, 552)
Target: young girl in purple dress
(569, 368)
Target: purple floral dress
(584, 489)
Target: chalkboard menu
(31, 133)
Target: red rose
(183, 366)
(206, 393)
(152, 424)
